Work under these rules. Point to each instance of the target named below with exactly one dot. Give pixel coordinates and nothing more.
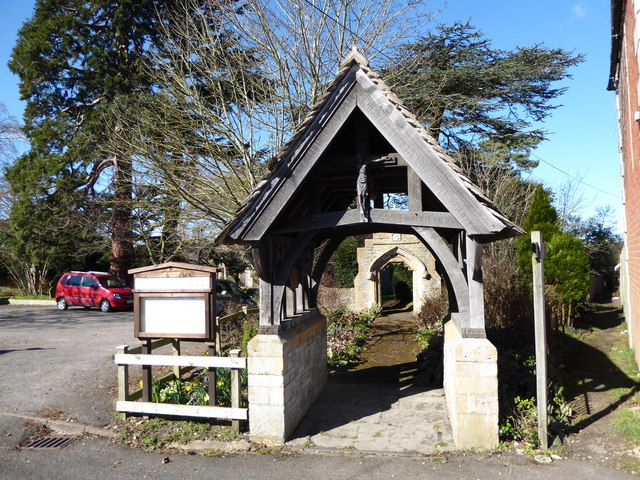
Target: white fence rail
(126, 357)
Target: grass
(627, 422)
(625, 360)
(31, 297)
(627, 419)
(12, 292)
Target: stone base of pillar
(471, 388)
(287, 372)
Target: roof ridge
(354, 56)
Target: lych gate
(357, 151)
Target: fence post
(539, 252)
(147, 372)
(123, 379)
(235, 389)
(175, 350)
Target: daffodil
(206, 398)
(220, 383)
(188, 388)
(141, 383)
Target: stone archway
(386, 248)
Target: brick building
(623, 78)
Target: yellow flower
(141, 384)
(195, 384)
(206, 398)
(206, 353)
(188, 388)
(220, 383)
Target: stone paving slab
(377, 417)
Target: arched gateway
(385, 249)
(357, 148)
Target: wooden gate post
(123, 379)
(539, 251)
(147, 373)
(175, 350)
(235, 389)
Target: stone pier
(471, 386)
(287, 372)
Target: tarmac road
(61, 360)
(95, 458)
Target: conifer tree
(469, 92)
(75, 59)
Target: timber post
(235, 389)
(539, 252)
(123, 379)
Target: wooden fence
(125, 357)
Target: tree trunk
(121, 225)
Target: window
(112, 282)
(74, 281)
(89, 282)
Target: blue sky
(584, 133)
(583, 142)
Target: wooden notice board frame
(174, 300)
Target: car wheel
(105, 306)
(61, 303)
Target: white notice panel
(158, 284)
(177, 315)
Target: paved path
(383, 405)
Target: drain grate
(52, 442)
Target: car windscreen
(111, 282)
(231, 289)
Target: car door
(90, 292)
(72, 295)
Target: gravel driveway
(61, 359)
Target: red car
(92, 289)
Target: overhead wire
(373, 47)
(339, 23)
(573, 177)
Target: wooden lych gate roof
(311, 184)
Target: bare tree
(569, 200)
(503, 186)
(232, 87)
(303, 42)
(10, 132)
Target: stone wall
(471, 387)
(287, 372)
(333, 298)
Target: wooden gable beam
(300, 161)
(420, 157)
(377, 216)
